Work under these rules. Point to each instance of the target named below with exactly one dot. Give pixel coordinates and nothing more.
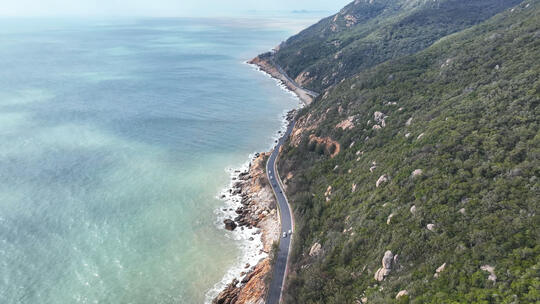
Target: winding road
(281, 260)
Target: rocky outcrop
(346, 124)
(402, 293)
(229, 295)
(430, 227)
(303, 125)
(381, 180)
(254, 290)
(380, 119)
(439, 270)
(315, 249)
(386, 268)
(491, 270)
(251, 290)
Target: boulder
(409, 121)
(381, 180)
(430, 227)
(439, 270)
(379, 275)
(402, 293)
(417, 173)
(229, 224)
(315, 249)
(353, 188)
(386, 268)
(379, 116)
(389, 219)
(413, 209)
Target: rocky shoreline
(257, 210)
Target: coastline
(255, 206)
(266, 65)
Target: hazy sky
(158, 7)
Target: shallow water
(114, 140)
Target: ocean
(116, 138)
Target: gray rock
(315, 249)
(402, 293)
(439, 270)
(417, 172)
(381, 180)
(386, 268)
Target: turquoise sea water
(114, 140)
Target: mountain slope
(434, 157)
(368, 32)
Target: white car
(290, 231)
(284, 234)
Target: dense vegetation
(368, 32)
(465, 112)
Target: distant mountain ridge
(368, 32)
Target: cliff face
(438, 149)
(258, 210)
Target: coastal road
(282, 72)
(281, 260)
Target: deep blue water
(114, 139)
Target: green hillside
(368, 32)
(452, 135)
